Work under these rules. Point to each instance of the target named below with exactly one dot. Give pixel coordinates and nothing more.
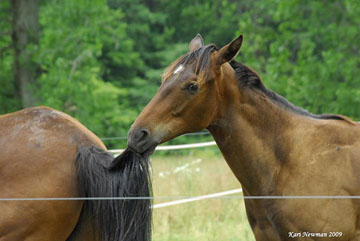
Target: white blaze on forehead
(180, 68)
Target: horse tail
(105, 179)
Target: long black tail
(100, 175)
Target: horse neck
(253, 134)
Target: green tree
(78, 46)
(147, 30)
(306, 51)
(101, 61)
(8, 100)
(215, 20)
(25, 32)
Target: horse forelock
(198, 59)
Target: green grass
(214, 219)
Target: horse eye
(192, 87)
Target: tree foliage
(102, 61)
(8, 100)
(307, 51)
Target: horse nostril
(145, 134)
(141, 135)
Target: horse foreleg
(264, 231)
(260, 224)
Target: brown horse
(46, 154)
(273, 148)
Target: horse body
(25, 172)
(272, 147)
(290, 155)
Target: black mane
(248, 78)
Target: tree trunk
(25, 31)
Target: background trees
(101, 61)
(25, 32)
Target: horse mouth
(142, 142)
(149, 151)
(145, 152)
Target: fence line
(193, 199)
(182, 199)
(173, 147)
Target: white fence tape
(209, 196)
(125, 137)
(174, 147)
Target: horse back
(38, 121)
(325, 152)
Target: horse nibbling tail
(117, 185)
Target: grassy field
(198, 173)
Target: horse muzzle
(141, 141)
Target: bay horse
(274, 148)
(45, 155)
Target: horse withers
(47, 158)
(274, 148)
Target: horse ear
(196, 43)
(229, 51)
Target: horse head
(189, 98)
